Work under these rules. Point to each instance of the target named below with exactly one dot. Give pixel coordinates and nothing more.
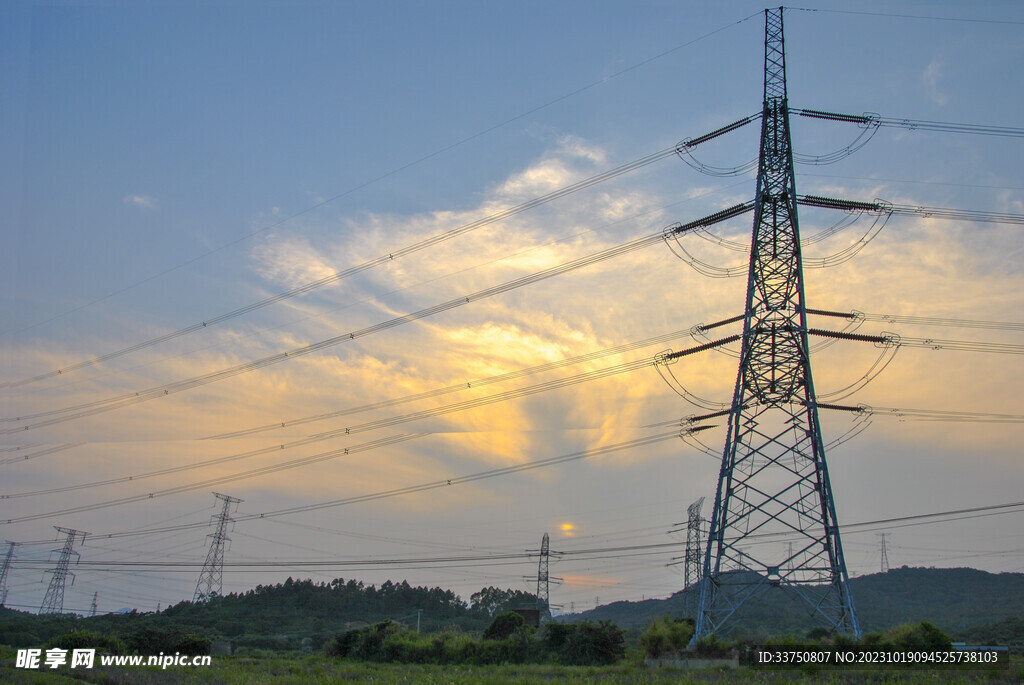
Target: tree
(492, 601)
(503, 626)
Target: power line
(99, 406)
(476, 383)
(220, 480)
(457, 480)
(518, 393)
(349, 430)
(434, 279)
(352, 271)
(940, 321)
(381, 177)
(615, 551)
(875, 120)
(891, 15)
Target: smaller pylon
(885, 555)
(211, 580)
(53, 602)
(92, 609)
(3, 572)
(543, 580)
(693, 564)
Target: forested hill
(280, 616)
(965, 603)
(955, 600)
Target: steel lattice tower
(543, 580)
(3, 571)
(211, 580)
(53, 602)
(885, 555)
(773, 476)
(691, 562)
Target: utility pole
(211, 580)
(773, 475)
(3, 571)
(53, 602)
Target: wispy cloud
(932, 74)
(142, 201)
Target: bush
(365, 643)
(666, 636)
(155, 640)
(586, 643)
(710, 647)
(503, 626)
(924, 637)
(20, 639)
(87, 639)
(580, 643)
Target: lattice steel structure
(3, 571)
(211, 580)
(773, 476)
(884, 566)
(543, 580)
(692, 566)
(53, 602)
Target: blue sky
(164, 163)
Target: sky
(165, 166)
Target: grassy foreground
(320, 670)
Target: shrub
(666, 636)
(924, 637)
(364, 643)
(712, 648)
(586, 643)
(154, 640)
(503, 626)
(87, 639)
(581, 643)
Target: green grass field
(320, 670)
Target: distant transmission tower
(3, 571)
(773, 477)
(885, 555)
(92, 609)
(543, 580)
(692, 565)
(211, 580)
(53, 602)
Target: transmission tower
(543, 604)
(773, 476)
(3, 572)
(211, 580)
(885, 554)
(92, 609)
(53, 602)
(692, 566)
(692, 561)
